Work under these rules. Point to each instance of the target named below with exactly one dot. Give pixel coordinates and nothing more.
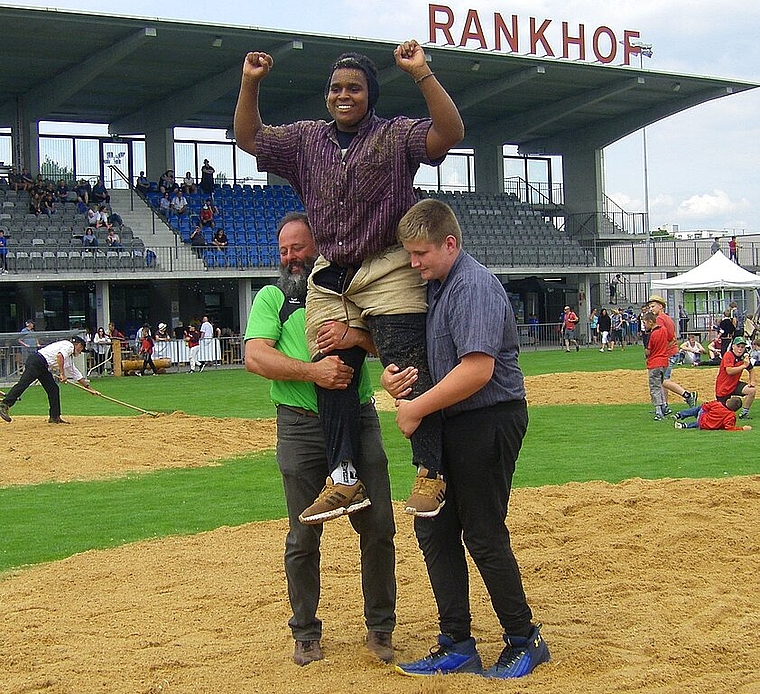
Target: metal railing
(68, 256)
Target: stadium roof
(141, 74)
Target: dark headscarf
(356, 61)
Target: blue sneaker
(520, 657)
(445, 657)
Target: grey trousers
(655, 377)
(303, 464)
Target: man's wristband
(424, 77)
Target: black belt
(299, 410)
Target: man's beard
(294, 284)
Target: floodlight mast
(645, 49)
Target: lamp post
(645, 49)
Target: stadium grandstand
(151, 82)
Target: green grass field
(565, 443)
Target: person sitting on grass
(691, 351)
(712, 415)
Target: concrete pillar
(33, 147)
(584, 303)
(583, 180)
(159, 152)
(245, 300)
(489, 166)
(102, 304)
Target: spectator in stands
(3, 252)
(100, 195)
(188, 185)
(164, 205)
(92, 216)
(103, 218)
(26, 180)
(35, 204)
(692, 351)
(89, 240)
(47, 202)
(84, 191)
(179, 203)
(113, 239)
(206, 215)
(115, 219)
(62, 192)
(14, 180)
(198, 241)
(207, 178)
(167, 184)
(142, 184)
(219, 239)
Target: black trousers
(400, 340)
(480, 451)
(148, 361)
(36, 369)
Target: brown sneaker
(428, 495)
(336, 500)
(4, 412)
(307, 652)
(57, 420)
(380, 645)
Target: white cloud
(717, 203)
(626, 201)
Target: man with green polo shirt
(275, 348)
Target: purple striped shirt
(354, 201)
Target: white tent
(717, 272)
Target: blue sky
(704, 164)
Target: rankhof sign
(514, 36)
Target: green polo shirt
(273, 317)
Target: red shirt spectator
(657, 348)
